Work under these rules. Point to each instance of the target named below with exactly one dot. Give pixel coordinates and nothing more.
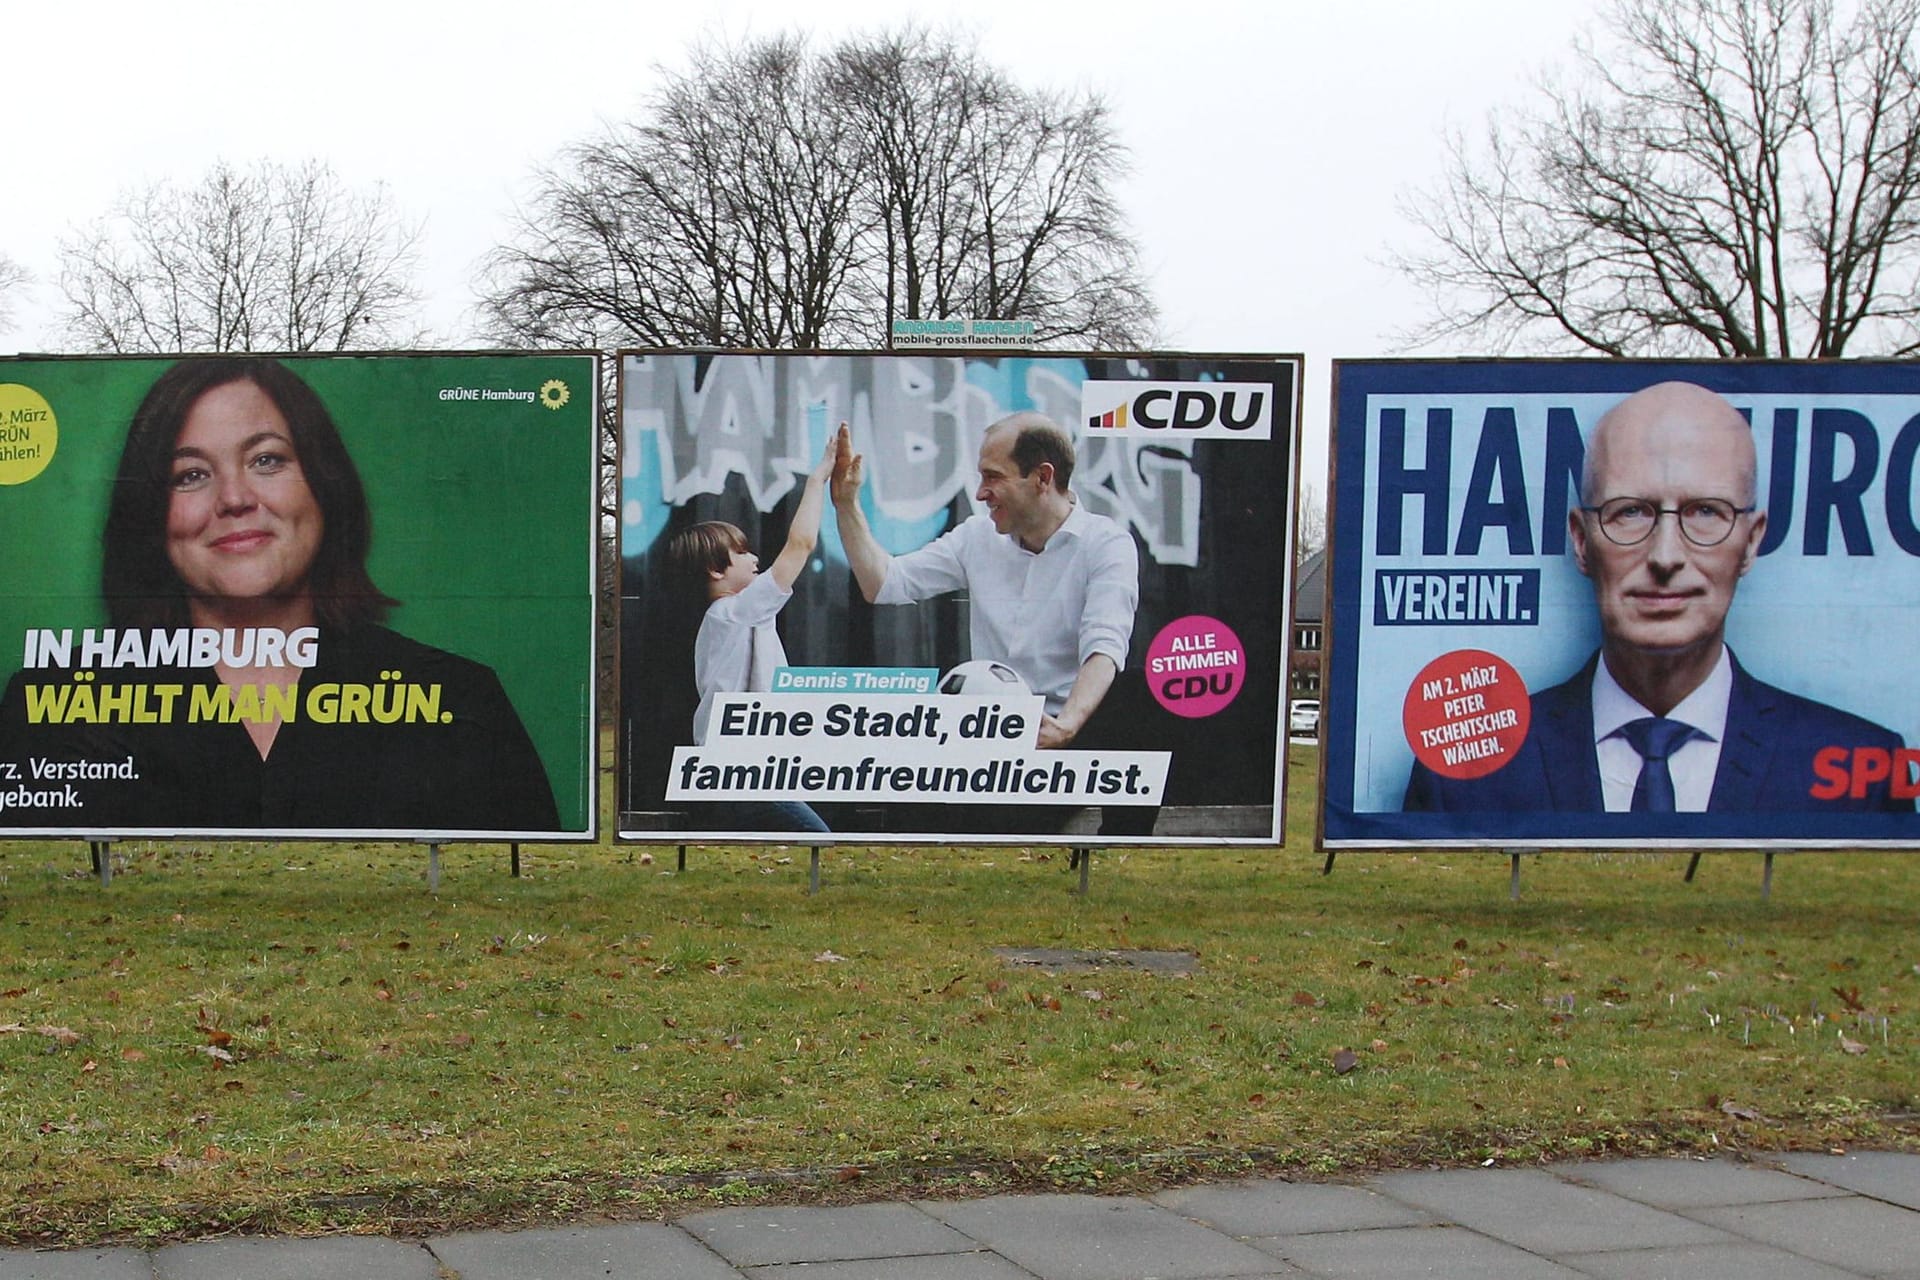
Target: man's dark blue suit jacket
(1766, 759)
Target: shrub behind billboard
(298, 596)
(1072, 627)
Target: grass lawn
(300, 1037)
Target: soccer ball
(983, 676)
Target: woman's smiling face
(242, 524)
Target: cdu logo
(1182, 410)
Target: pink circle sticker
(1196, 666)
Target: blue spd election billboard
(1605, 603)
(988, 596)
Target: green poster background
(483, 518)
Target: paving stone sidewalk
(1803, 1217)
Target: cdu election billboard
(1607, 603)
(298, 596)
(998, 596)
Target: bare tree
(989, 200)
(12, 276)
(269, 258)
(725, 217)
(769, 196)
(1725, 177)
(1310, 529)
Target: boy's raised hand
(829, 463)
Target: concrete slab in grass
(1064, 1237)
(1541, 1213)
(75, 1264)
(1408, 1253)
(763, 1237)
(1858, 1235)
(1893, 1176)
(1276, 1208)
(1668, 1183)
(328, 1258)
(627, 1251)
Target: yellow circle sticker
(28, 433)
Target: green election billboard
(298, 596)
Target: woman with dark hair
(234, 574)
(143, 575)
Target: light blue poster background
(1837, 627)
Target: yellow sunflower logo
(554, 394)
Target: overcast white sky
(1270, 138)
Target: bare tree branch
(12, 276)
(771, 196)
(1723, 177)
(270, 258)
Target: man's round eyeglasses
(1705, 522)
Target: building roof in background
(1310, 589)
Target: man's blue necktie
(1655, 738)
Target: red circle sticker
(1466, 713)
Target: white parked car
(1303, 718)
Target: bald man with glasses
(1663, 719)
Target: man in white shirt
(1664, 719)
(1052, 587)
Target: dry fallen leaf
(215, 1036)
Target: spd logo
(1179, 410)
